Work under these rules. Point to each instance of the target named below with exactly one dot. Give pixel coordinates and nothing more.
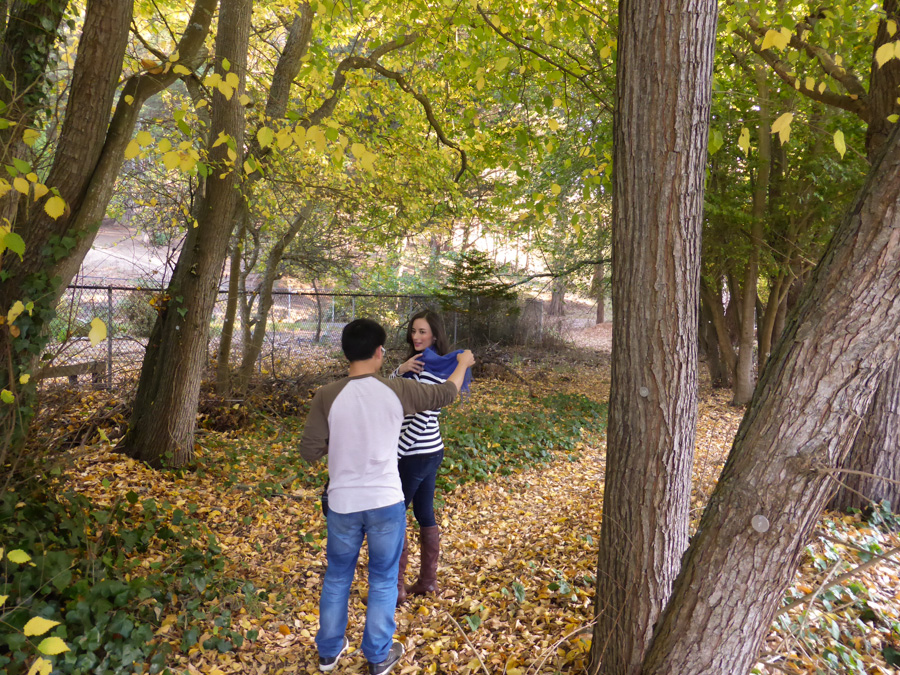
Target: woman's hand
(413, 365)
(466, 358)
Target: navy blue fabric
(443, 366)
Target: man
(356, 422)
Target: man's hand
(466, 358)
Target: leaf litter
(518, 555)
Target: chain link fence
(302, 326)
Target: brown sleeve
(418, 397)
(314, 444)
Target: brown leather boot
(430, 538)
(401, 584)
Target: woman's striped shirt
(421, 432)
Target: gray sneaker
(327, 665)
(393, 658)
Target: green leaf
(7, 397)
(14, 243)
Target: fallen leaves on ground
(517, 567)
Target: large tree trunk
(875, 454)
(87, 159)
(806, 410)
(661, 121)
(163, 421)
(98, 65)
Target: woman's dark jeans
(418, 474)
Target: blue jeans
(385, 529)
(418, 474)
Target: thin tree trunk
(223, 356)
(806, 410)
(660, 129)
(163, 420)
(712, 298)
(253, 348)
(744, 375)
(600, 290)
(719, 372)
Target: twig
(876, 558)
(578, 631)
(469, 642)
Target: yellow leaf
(171, 160)
(29, 136)
(15, 311)
(3, 598)
(776, 38)
(501, 64)
(891, 27)
(839, 144)
(479, 84)
(18, 556)
(144, 138)
(175, 56)
(38, 625)
(553, 124)
(129, 99)
(41, 666)
(164, 145)
(555, 189)
(782, 127)
(55, 206)
(21, 185)
(315, 135)
(133, 149)
(605, 52)
(40, 190)
(810, 83)
(4, 186)
(23, 379)
(231, 79)
(245, 100)
(885, 53)
(226, 90)
(265, 136)
(97, 333)
(181, 70)
(52, 646)
(744, 140)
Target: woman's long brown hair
(441, 343)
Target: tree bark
(223, 356)
(558, 298)
(719, 372)
(163, 420)
(875, 451)
(661, 123)
(712, 299)
(806, 410)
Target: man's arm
(417, 396)
(314, 444)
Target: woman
(421, 448)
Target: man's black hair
(361, 338)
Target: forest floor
(518, 555)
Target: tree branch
(580, 78)
(562, 273)
(371, 63)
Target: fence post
(290, 314)
(332, 309)
(109, 334)
(353, 308)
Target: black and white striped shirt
(421, 432)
